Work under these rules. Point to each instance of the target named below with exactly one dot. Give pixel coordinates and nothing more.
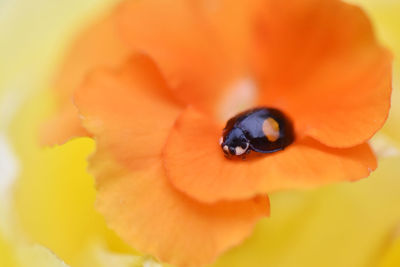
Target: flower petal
(196, 165)
(129, 111)
(98, 46)
(149, 214)
(130, 114)
(195, 43)
(62, 127)
(320, 62)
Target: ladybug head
(235, 142)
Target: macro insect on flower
(262, 130)
(156, 82)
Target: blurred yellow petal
(99, 255)
(384, 146)
(15, 254)
(15, 250)
(7, 257)
(37, 256)
(391, 257)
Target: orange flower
(185, 67)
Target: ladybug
(262, 129)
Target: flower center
(241, 95)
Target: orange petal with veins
(98, 46)
(149, 214)
(130, 111)
(200, 46)
(319, 62)
(196, 165)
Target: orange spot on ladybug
(271, 129)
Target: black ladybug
(263, 130)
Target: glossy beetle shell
(263, 130)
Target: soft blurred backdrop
(46, 197)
